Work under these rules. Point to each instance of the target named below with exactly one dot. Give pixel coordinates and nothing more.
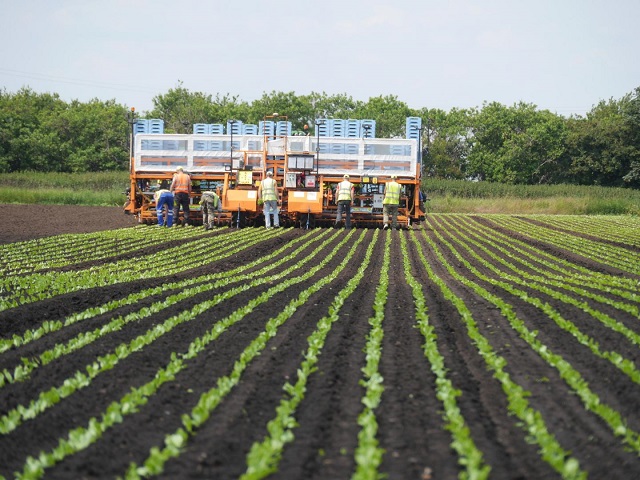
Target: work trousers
(181, 199)
(344, 205)
(165, 202)
(390, 209)
(209, 213)
(270, 207)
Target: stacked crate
(267, 128)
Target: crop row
(64, 250)
(498, 306)
(18, 290)
(616, 229)
(625, 259)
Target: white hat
(393, 177)
(179, 169)
(269, 173)
(346, 176)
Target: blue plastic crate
(201, 129)
(323, 128)
(413, 125)
(237, 127)
(250, 129)
(397, 149)
(353, 128)
(141, 126)
(156, 125)
(371, 132)
(338, 128)
(283, 128)
(266, 127)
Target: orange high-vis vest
(181, 183)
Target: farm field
(473, 346)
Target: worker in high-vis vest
(391, 202)
(210, 204)
(181, 189)
(344, 195)
(268, 192)
(164, 201)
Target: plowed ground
(411, 427)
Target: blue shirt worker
(164, 201)
(344, 195)
(391, 202)
(181, 188)
(210, 203)
(269, 194)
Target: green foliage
(41, 132)
(29, 187)
(514, 145)
(468, 189)
(604, 147)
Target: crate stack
(413, 126)
(250, 129)
(322, 126)
(153, 125)
(283, 128)
(236, 127)
(266, 127)
(352, 130)
(156, 125)
(207, 129)
(371, 125)
(338, 129)
(200, 129)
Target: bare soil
(411, 427)
(25, 222)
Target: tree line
(517, 144)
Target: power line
(73, 81)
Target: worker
(344, 194)
(210, 202)
(269, 194)
(181, 189)
(391, 202)
(164, 198)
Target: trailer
(307, 169)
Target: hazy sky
(561, 55)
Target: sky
(560, 55)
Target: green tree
(25, 142)
(602, 146)
(92, 136)
(180, 109)
(447, 141)
(334, 106)
(389, 113)
(517, 144)
(632, 120)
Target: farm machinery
(307, 169)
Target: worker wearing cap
(344, 195)
(210, 202)
(181, 188)
(164, 198)
(391, 202)
(269, 194)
